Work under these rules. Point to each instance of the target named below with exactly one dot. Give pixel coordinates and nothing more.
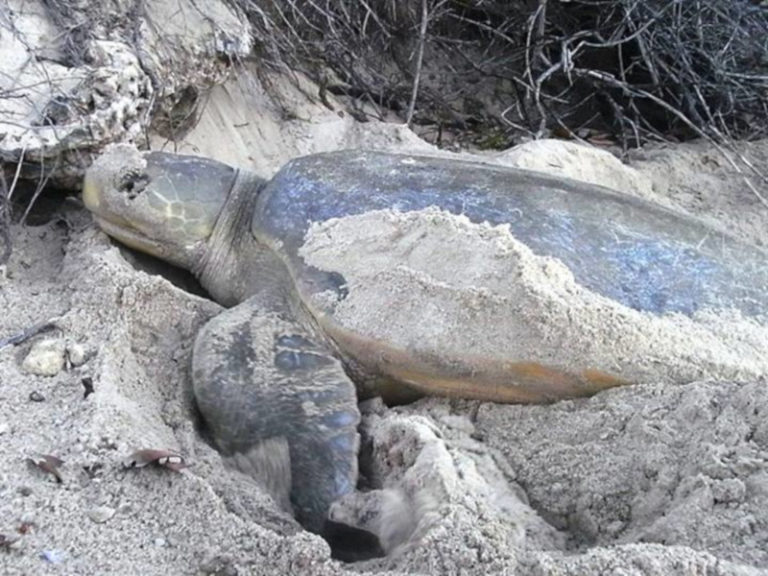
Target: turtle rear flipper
(259, 374)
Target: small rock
(25, 527)
(53, 556)
(76, 354)
(88, 389)
(729, 490)
(36, 396)
(45, 358)
(7, 541)
(4, 427)
(160, 542)
(372, 406)
(28, 519)
(219, 566)
(25, 490)
(101, 514)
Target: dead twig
(25, 335)
(718, 141)
(5, 221)
(419, 61)
(704, 59)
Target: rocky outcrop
(75, 76)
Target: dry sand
(649, 479)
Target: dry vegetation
(634, 70)
(5, 219)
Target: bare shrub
(634, 70)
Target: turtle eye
(132, 184)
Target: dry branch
(5, 218)
(705, 60)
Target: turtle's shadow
(179, 277)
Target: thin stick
(5, 219)
(419, 62)
(16, 175)
(28, 333)
(608, 79)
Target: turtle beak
(100, 194)
(162, 204)
(129, 236)
(96, 200)
(91, 194)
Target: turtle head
(163, 204)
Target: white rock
(76, 354)
(101, 514)
(45, 358)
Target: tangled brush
(636, 70)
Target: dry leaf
(164, 458)
(48, 463)
(24, 528)
(7, 541)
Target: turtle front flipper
(261, 378)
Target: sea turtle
(283, 363)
